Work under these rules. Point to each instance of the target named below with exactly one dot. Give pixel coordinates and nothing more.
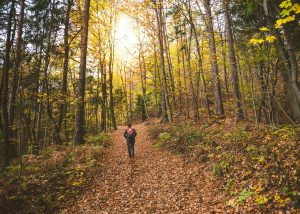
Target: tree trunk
(179, 77)
(213, 59)
(111, 97)
(233, 63)
(166, 110)
(104, 97)
(287, 56)
(4, 101)
(64, 89)
(79, 117)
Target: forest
(211, 86)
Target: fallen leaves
(156, 181)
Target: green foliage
(46, 182)
(163, 138)
(101, 139)
(179, 138)
(220, 168)
(261, 200)
(239, 136)
(245, 195)
(287, 132)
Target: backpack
(130, 133)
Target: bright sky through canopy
(126, 39)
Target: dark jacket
(130, 139)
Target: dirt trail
(155, 182)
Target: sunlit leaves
(288, 19)
(260, 38)
(289, 10)
(256, 41)
(270, 39)
(264, 29)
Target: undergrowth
(260, 167)
(42, 184)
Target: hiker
(130, 135)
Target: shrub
(102, 139)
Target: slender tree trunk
(179, 77)
(155, 82)
(187, 113)
(111, 96)
(200, 67)
(17, 64)
(233, 63)
(144, 85)
(193, 90)
(104, 96)
(79, 117)
(64, 89)
(224, 54)
(168, 58)
(166, 110)
(213, 59)
(4, 101)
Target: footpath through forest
(154, 182)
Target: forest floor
(155, 181)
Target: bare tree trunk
(233, 63)
(193, 90)
(111, 97)
(79, 117)
(104, 97)
(200, 67)
(4, 101)
(179, 77)
(213, 58)
(64, 89)
(168, 58)
(187, 113)
(17, 64)
(155, 82)
(166, 110)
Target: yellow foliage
(262, 199)
(288, 19)
(270, 39)
(264, 29)
(286, 4)
(282, 202)
(256, 41)
(268, 138)
(296, 8)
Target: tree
(213, 58)
(232, 61)
(5, 76)
(79, 119)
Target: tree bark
(213, 58)
(64, 89)
(166, 110)
(4, 101)
(233, 63)
(79, 117)
(111, 96)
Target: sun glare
(126, 39)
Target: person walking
(130, 135)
